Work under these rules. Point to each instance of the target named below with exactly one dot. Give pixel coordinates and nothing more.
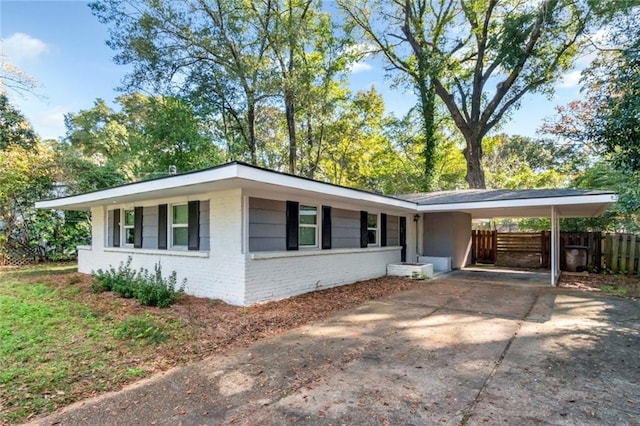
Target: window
(179, 225)
(308, 226)
(372, 229)
(129, 227)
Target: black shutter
(403, 238)
(116, 228)
(383, 230)
(162, 226)
(326, 227)
(137, 227)
(364, 234)
(293, 209)
(194, 225)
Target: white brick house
(246, 235)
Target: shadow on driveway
(457, 350)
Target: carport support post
(555, 247)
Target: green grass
(55, 348)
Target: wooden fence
(618, 253)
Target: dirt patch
(611, 285)
(212, 326)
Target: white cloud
(360, 67)
(49, 124)
(571, 79)
(20, 46)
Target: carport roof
(492, 203)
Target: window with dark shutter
(326, 227)
(364, 232)
(162, 226)
(194, 225)
(137, 227)
(116, 228)
(292, 225)
(383, 230)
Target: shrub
(150, 289)
(154, 290)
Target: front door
(403, 238)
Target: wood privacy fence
(619, 253)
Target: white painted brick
(294, 273)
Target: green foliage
(143, 139)
(15, 130)
(516, 162)
(150, 289)
(480, 58)
(54, 338)
(140, 328)
(614, 86)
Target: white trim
(227, 172)
(376, 229)
(182, 253)
(525, 202)
(173, 226)
(124, 227)
(315, 226)
(299, 253)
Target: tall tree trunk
(290, 111)
(251, 126)
(427, 108)
(473, 156)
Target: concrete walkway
(458, 350)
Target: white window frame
(376, 229)
(124, 227)
(307, 225)
(172, 226)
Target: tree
(14, 78)
(480, 57)
(209, 51)
(614, 87)
(145, 137)
(518, 162)
(15, 130)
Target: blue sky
(62, 45)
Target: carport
(446, 216)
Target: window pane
(180, 214)
(371, 236)
(129, 235)
(308, 215)
(307, 236)
(372, 221)
(129, 218)
(180, 236)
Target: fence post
(632, 254)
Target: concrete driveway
(462, 349)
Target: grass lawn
(56, 346)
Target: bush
(149, 289)
(154, 290)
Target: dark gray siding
(267, 225)
(345, 232)
(150, 227)
(204, 225)
(393, 236)
(110, 228)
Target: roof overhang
(591, 205)
(228, 176)
(239, 175)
